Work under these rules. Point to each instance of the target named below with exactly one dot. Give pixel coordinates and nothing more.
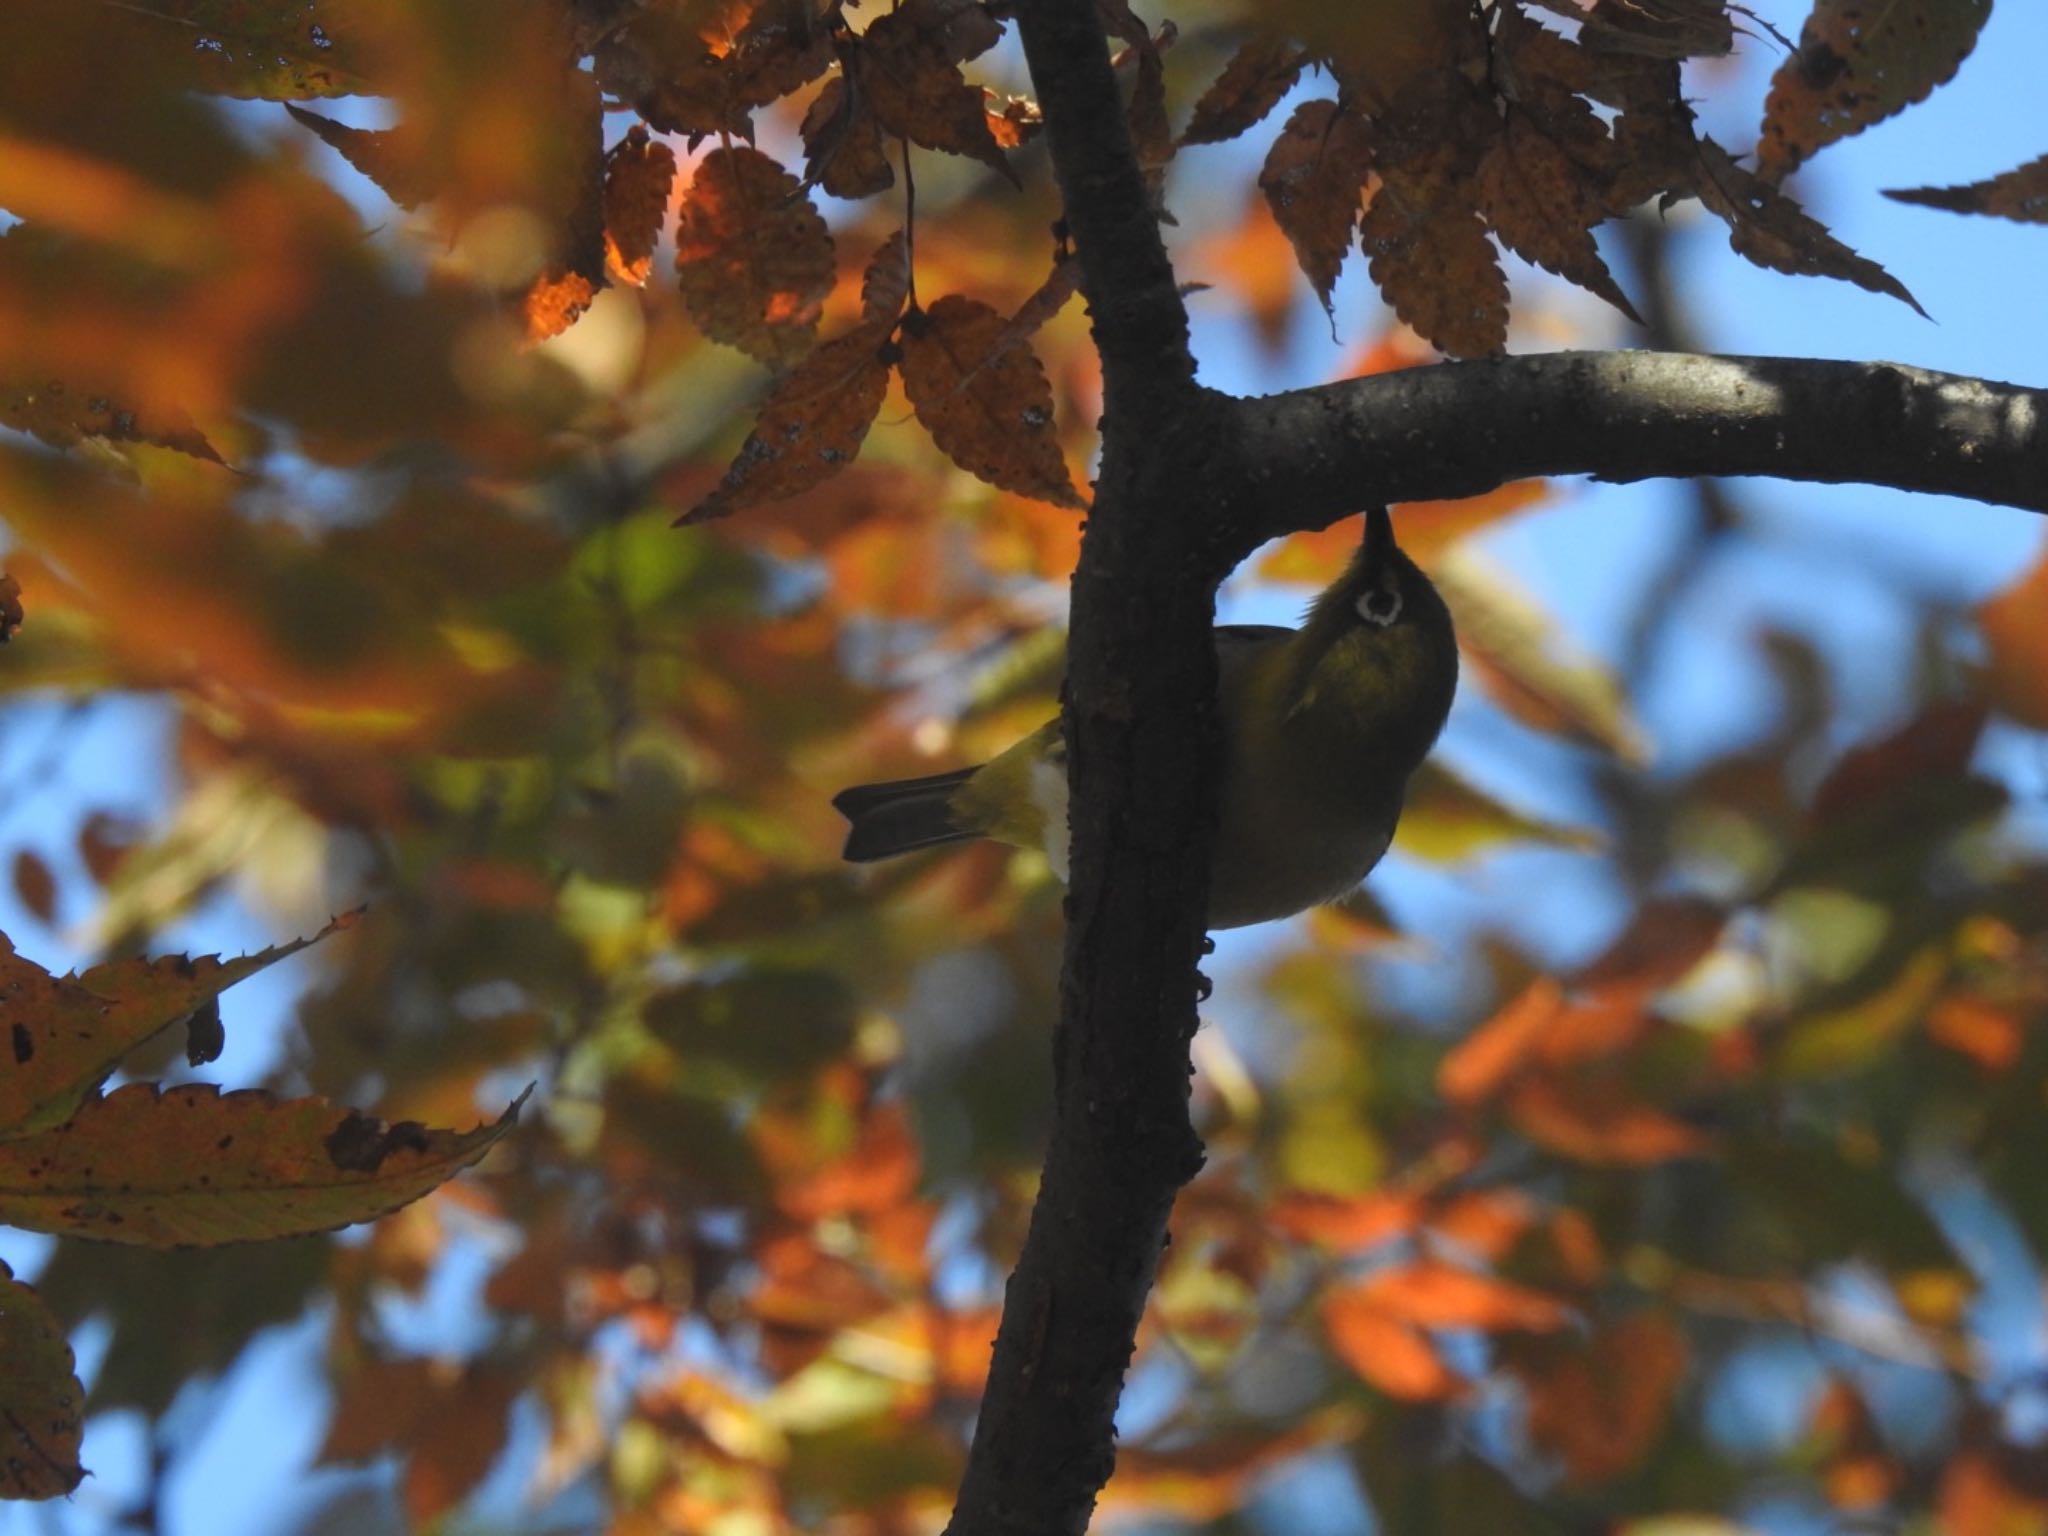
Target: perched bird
(1322, 726)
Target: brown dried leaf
(2020, 195)
(12, 616)
(810, 427)
(1432, 262)
(42, 1402)
(195, 1166)
(1543, 205)
(393, 158)
(638, 174)
(885, 285)
(699, 67)
(1858, 63)
(989, 408)
(1313, 179)
(61, 414)
(34, 886)
(1773, 231)
(909, 74)
(1600, 1404)
(1263, 69)
(1017, 124)
(844, 150)
(753, 258)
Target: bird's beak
(1379, 542)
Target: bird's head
(1378, 648)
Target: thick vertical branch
(1141, 739)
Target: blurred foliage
(378, 503)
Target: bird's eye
(1379, 606)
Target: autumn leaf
(1431, 260)
(844, 149)
(1934, 746)
(885, 282)
(1859, 62)
(1600, 1126)
(908, 65)
(2016, 641)
(637, 176)
(2020, 195)
(1773, 231)
(193, 1166)
(989, 410)
(754, 259)
(12, 615)
(1263, 69)
(1541, 202)
(1392, 1355)
(1601, 1404)
(67, 1033)
(702, 66)
(811, 426)
(42, 1403)
(61, 413)
(1314, 179)
(1499, 1048)
(1433, 1294)
(1447, 819)
(394, 159)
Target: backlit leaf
(195, 1166)
(2020, 194)
(61, 414)
(885, 283)
(2015, 625)
(909, 69)
(1392, 1355)
(1263, 69)
(42, 1404)
(1601, 1404)
(638, 174)
(1432, 1294)
(811, 426)
(395, 159)
(753, 257)
(66, 1033)
(844, 149)
(1858, 62)
(1429, 255)
(1314, 179)
(988, 407)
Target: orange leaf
(1425, 529)
(1390, 1354)
(753, 257)
(1969, 1025)
(1486, 1223)
(988, 408)
(1602, 1406)
(638, 174)
(1431, 1294)
(1499, 1048)
(811, 425)
(1346, 1226)
(1600, 1129)
(2015, 625)
(879, 1172)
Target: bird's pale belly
(1258, 880)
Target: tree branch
(1313, 455)
(1141, 747)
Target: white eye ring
(1379, 606)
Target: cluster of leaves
(188, 1167)
(391, 540)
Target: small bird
(1322, 727)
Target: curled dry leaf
(66, 1033)
(637, 176)
(42, 1402)
(1858, 62)
(1657, 29)
(394, 159)
(1313, 179)
(1773, 231)
(1263, 69)
(844, 150)
(2020, 195)
(61, 414)
(810, 427)
(753, 258)
(193, 1166)
(988, 407)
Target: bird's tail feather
(902, 815)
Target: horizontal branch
(1463, 428)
